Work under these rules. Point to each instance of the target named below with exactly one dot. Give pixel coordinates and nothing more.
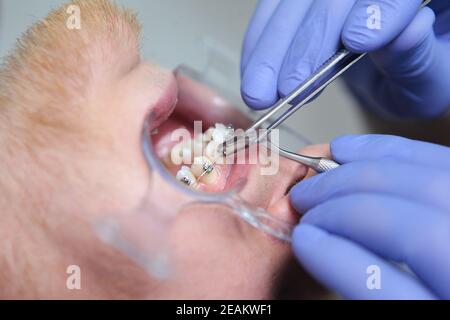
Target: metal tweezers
(332, 69)
(286, 107)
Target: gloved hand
(406, 75)
(388, 202)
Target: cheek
(207, 230)
(115, 173)
(219, 256)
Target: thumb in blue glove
(387, 203)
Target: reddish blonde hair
(48, 76)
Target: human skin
(72, 108)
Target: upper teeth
(182, 152)
(203, 144)
(208, 134)
(202, 151)
(219, 134)
(212, 152)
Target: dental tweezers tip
(222, 149)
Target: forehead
(58, 53)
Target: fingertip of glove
(296, 197)
(255, 103)
(289, 79)
(356, 41)
(340, 145)
(257, 98)
(258, 88)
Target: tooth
(230, 131)
(186, 176)
(221, 126)
(210, 178)
(201, 151)
(200, 138)
(198, 169)
(212, 152)
(208, 134)
(197, 166)
(198, 146)
(182, 153)
(219, 134)
(167, 160)
(176, 154)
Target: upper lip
(165, 105)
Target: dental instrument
(318, 164)
(332, 69)
(318, 81)
(286, 107)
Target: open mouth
(186, 143)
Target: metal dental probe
(318, 164)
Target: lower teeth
(208, 168)
(185, 176)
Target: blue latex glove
(389, 201)
(408, 71)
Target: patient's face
(76, 139)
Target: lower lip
(165, 105)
